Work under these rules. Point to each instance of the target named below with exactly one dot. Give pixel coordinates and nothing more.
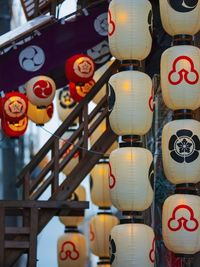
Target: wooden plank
(17, 244)
(17, 230)
(2, 236)
(55, 156)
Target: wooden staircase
(34, 213)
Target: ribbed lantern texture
(180, 70)
(71, 246)
(131, 106)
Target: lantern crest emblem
(183, 217)
(84, 67)
(68, 250)
(112, 249)
(152, 252)
(183, 5)
(42, 89)
(112, 179)
(111, 24)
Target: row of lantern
(131, 104)
(180, 70)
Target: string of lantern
(180, 65)
(131, 104)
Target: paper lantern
(103, 264)
(130, 169)
(180, 151)
(131, 102)
(97, 134)
(100, 194)
(100, 228)
(180, 220)
(14, 129)
(180, 80)
(75, 159)
(132, 245)
(79, 68)
(129, 29)
(65, 103)
(98, 74)
(78, 92)
(180, 17)
(14, 106)
(72, 221)
(40, 90)
(72, 250)
(40, 116)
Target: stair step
(17, 230)
(17, 244)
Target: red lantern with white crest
(41, 91)
(78, 92)
(79, 68)
(14, 106)
(14, 129)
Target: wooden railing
(88, 122)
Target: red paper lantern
(14, 106)
(78, 92)
(79, 68)
(14, 129)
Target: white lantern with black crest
(100, 194)
(181, 223)
(180, 77)
(131, 103)
(130, 188)
(129, 29)
(132, 245)
(73, 221)
(180, 150)
(100, 227)
(72, 250)
(180, 16)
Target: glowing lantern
(79, 68)
(75, 159)
(180, 219)
(129, 29)
(180, 79)
(40, 116)
(97, 76)
(103, 264)
(180, 17)
(72, 250)
(130, 170)
(100, 228)
(131, 102)
(14, 106)
(79, 91)
(97, 134)
(132, 245)
(180, 150)
(14, 129)
(65, 103)
(40, 91)
(100, 194)
(72, 221)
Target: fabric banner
(45, 52)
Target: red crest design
(112, 179)
(92, 235)
(186, 220)
(152, 252)
(111, 24)
(151, 100)
(68, 250)
(176, 77)
(42, 89)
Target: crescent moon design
(183, 6)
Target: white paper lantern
(40, 90)
(180, 80)
(100, 193)
(180, 219)
(65, 103)
(130, 170)
(129, 29)
(75, 159)
(180, 151)
(72, 250)
(132, 245)
(131, 102)
(100, 228)
(97, 134)
(73, 221)
(98, 74)
(180, 17)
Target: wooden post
(85, 129)
(2, 236)
(26, 188)
(55, 156)
(32, 257)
